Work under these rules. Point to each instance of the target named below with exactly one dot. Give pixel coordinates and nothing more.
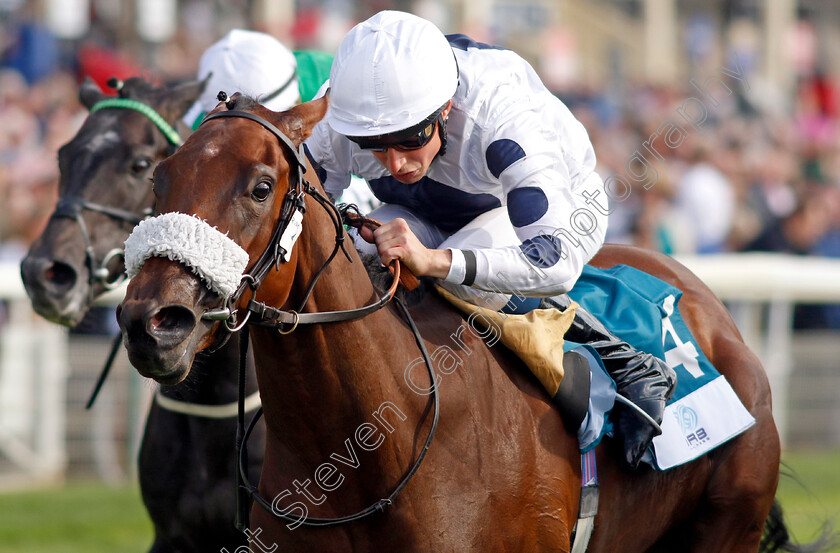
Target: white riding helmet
(254, 63)
(390, 73)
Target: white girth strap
(210, 254)
(223, 411)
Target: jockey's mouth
(408, 177)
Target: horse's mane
(243, 102)
(381, 278)
(138, 87)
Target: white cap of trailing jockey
(251, 62)
(390, 72)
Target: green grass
(811, 497)
(92, 518)
(77, 518)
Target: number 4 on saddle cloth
(704, 411)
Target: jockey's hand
(394, 240)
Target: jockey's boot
(640, 377)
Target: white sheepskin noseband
(215, 258)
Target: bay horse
(185, 465)
(344, 428)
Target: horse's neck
(322, 381)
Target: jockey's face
(409, 166)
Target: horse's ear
(178, 100)
(300, 120)
(313, 111)
(90, 93)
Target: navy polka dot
(542, 251)
(526, 205)
(501, 154)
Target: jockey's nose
(394, 160)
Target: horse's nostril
(60, 274)
(172, 319)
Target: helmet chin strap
(442, 132)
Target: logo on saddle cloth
(688, 421)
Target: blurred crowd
(746, 179)
(40, 111)
(37, 118)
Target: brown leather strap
(406, 277)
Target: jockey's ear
(300, 120)
(179, 99)
(90, 93)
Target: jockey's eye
(261, 191)
(139, 166)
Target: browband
(298, 152)
(168, 131)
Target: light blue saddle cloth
(642, 310)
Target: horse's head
(225, 198)
(104, 190)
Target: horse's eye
(139, 166)
(261, 191)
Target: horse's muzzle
(158, 338)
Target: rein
(278, 250)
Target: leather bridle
(71, 208)
(278, 251)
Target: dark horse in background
(186, 461)
(502, 474)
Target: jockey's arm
(320, 150)
(544, 162)
(547, 262)
(544, 194)
(395, 240)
